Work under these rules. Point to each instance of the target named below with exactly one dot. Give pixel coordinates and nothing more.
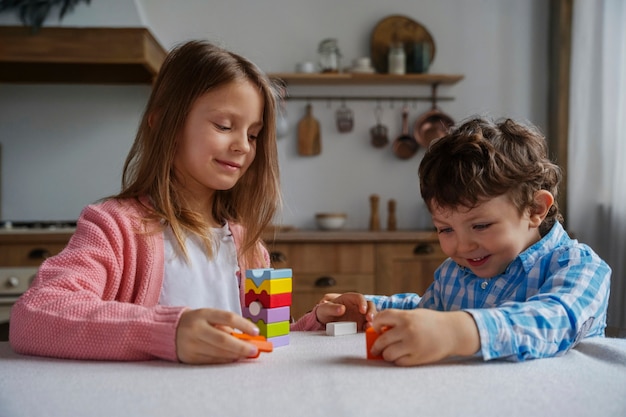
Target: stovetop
(45, 226)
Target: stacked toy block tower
(268, 302)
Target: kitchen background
(63, 146)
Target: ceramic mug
(306, 67)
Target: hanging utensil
(431, 125)
(345, 118)
(404, 147)
(309, 140)
(379, 132)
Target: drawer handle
(39, 253)
(325, 282)
(13, 282)
(423, 249)
(278, 257)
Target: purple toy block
(269, 315)
(279, 340)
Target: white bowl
(331, 221)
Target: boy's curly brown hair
(481, 159)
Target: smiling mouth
(478, 261)
(229, 164)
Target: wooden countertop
(8, 237)
(295, 235)
(347, 235)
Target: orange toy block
(370, 337)
(259, 341)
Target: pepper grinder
(391, 216)
(374, 218)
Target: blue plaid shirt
(550, 297)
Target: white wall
(64, 146)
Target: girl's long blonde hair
(189, 71)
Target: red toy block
(259, 341)
(267, 300)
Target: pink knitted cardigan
(97, 299)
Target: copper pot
(405, 146)
(430, 126)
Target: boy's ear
(542, 202)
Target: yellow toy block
(270, 286)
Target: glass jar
(396, 60)
(329, 55)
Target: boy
(515, 286)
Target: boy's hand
(350, 306)
(421, 336)
(203, 336)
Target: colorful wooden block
(279, 340)
(268, 300)
(256, 312)
(262, 274)
(270, 286)
(370, 337)
(261, 343)
(269, 330)
(340, 328)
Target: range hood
(79, 55)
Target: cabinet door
(308, 289)
(323, 257)
(28, 254)
(320, 268)
(406, 267)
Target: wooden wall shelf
(79, 55)
(366, 79)
(363, 80)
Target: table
(319, 375)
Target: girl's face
(218, 143)
(486, 238)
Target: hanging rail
(366, 98)
(433, 98)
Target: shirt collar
(557, 236)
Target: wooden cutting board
(309, 140)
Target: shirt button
(483, 285)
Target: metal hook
(378, 112)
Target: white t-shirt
(201, 282)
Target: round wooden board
(397, 28)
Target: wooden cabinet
(322, 261)
(407, 267)
(361, 261)
(105, 55)
(323, 267)
(30, 249)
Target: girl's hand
(203, 337)
(421, 336)
(350, 306)
(329, 297)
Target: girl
(199, 185)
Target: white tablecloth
(319, 375)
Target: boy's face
(487, 237)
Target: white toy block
(340, 328)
